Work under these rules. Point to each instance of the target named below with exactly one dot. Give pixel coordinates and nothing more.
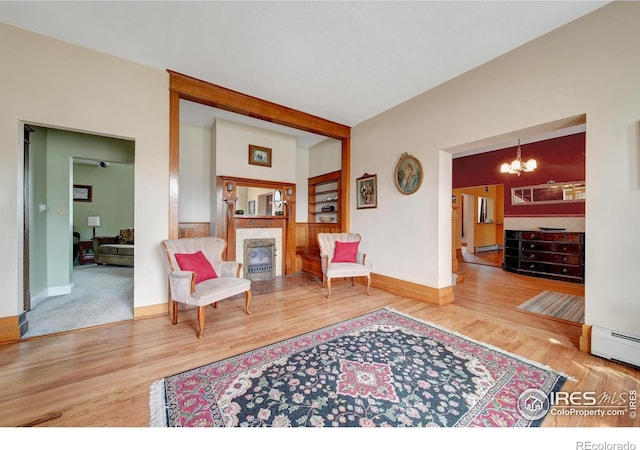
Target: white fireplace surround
(260, 233)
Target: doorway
(56, 295)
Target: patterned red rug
(380, 369)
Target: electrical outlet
(372, 265)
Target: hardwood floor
(100, 377)
(490, 258)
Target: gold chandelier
(517, 166)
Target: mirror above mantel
(551, 192)
(256, 198)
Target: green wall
(52, 259)
(112, 201)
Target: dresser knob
(532, 256)
(565, 259)
(564, 249)
(565, 270)
(532, 266)
(532, 246)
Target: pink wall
(560, 159)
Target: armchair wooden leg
(174, 307)
(328, 287)
(247, 301)
(369, 285)
(200, 321)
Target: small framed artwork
(252, 206)
(408, 174)
(367, 191)
(259, 156)
(82, 193)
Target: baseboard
(50, 292)
(151, 311)
(9, 329)
(415, 291)
(585, 338)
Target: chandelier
(517, 166)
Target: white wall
(591, 67)
(194, 176)
(52, 83)
(232, 152)
(325, 157)
(302, 186)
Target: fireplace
(259, 259)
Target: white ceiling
(343, 61)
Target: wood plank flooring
(100, 377)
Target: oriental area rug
(381, 369)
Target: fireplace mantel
(228, 222)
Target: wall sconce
(289, 191)
(229, 188)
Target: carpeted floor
(556, 304)
(381, 369)
(101, 294)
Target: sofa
(115, 250)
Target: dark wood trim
(203, 92)
(26, 265)
(439, 297)
(174, 162)
(345, 188)
(189, 88)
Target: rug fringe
(157, 405)
(492, 347)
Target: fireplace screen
(259, 258)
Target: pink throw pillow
(198, 263)
(346, 252)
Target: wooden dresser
(558, 255)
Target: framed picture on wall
(82, 193)
(367, 191)
(259, 156)
(408, 174)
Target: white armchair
(340, 258)
(184, 286)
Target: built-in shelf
(324, 191)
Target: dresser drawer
(573, 271)
(555, 237)
(558, 258)
(560, 247)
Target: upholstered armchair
(198, 276)
(341, 258)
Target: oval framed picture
(408, 174)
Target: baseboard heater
(619, 347)
(486, 248)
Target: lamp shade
(93, 221)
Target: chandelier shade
(517, 166)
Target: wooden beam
(200, 91)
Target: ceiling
(339, 60)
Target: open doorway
(71, 177)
